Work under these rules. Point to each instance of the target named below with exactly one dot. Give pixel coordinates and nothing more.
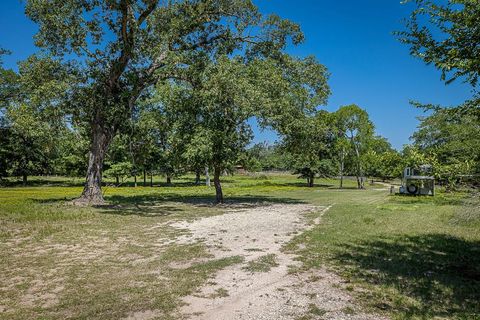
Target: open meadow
(146, 254)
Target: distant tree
(342, 149)
(119, 170)
(31, 121)
(378, 157)
(355, 127)
(30, 142)
(71, 157)
(453, 139)
(311, 146)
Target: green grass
(262, 264)
(417, 257)
(409, 257)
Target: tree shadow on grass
(293, 184)
(39, 182)
(439, 271)
(148, 205)
(152, 205)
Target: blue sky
(368, 66)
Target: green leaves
(446, 35)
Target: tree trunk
(135, 179)
(342, 167)
(24, 179)
(311, 180)
(144, 177)
(360, 182)
(207, 177)
(197, 177)
(169, 179)
(218, 186)
(117, 182)
(151, 180)
(92, 192)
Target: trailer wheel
(412, 189)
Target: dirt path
(248, 291)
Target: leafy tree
(29, 143)
(145, 140)
(117, 161)
(311, 145)
(453, 139)
(31, 122)
(122, 49)
(266, 157)
(342, 148)
(355, 127)
(378, 158)
(231, 90)
(71, 152)
(445, 34)
(120, 171)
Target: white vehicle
(418, 181)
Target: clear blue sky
(368, 66)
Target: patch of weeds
(314, 278)
(349, 310)
(293, 269)
(262, 264)
(253, 250)
(314, 310)
(219, 293)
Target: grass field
(407, 257)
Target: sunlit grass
(410, 257)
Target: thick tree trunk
(117, 181)
(169, 179)
(24, 179)
(144, 177)
(135, 179)
(218, 186)
(151, 180)
(207, 177)
(92, 192)
(197, 177)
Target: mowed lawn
(402, 256)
